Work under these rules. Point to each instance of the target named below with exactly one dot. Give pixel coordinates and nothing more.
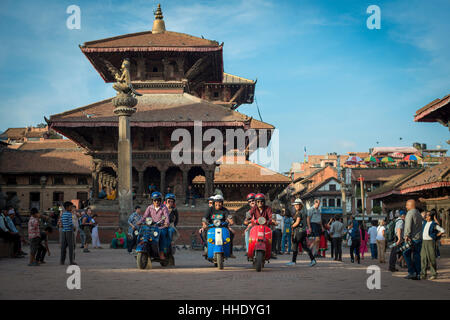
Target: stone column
(185, 181)
(124, 109)
(163, 181)
(209, 183)
(141, 183)
(95, 184)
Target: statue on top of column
(123, 86)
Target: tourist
(431, 230)
(373, 240)
(133, 226)
(34, 235)
(399, 228)
(43, 245)
(287, 233)
(336, 233)
(299, 234)
(277, 235)
(119, 240)
(10, 236)
(80, 228)
(364, 240)
(434, 213)
(159, 213)
(102, 194)
(323, 243)
(190, 195)
(355, 237)
(314, 221)
(67, 233)
(247, 221)
(87, 225)
(14, 234)
(76, 226)
(95, 236)
(413, 237)
(381, 241)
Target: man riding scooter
(173, 215)
(217, 210)
(157, 211)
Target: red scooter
(260, 244)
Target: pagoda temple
(182, 81)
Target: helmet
(156, 195)
(170, 196)
(260, 196)
(251, 196)
(298, 201)
(218, 198)
(211, 198)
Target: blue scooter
(219, 243)
(147, 248)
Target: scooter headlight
(155, 234)
(261, 220)
(216, 223)
(136, 233)
(148, 221)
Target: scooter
(219, 243)
(260, 244)
(147, 248)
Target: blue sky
(325, 80)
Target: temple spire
(158, 23)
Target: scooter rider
(247, 221)
(211, 214)
(299, 233)
(157, 211)
(173, 216)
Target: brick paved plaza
(112, 274)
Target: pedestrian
(286, 233)
(373, 240)
(278, 232)
(95, 236)
(299, 234)
(356, 241)
(9, 232)
(80, 228)
(87, 225)
(399, 228)
(173, 216)
(133, 227)
(43, 245)
(323, 244)
(190, 195)
(67, 228)
(76, 226)
(314, 221)
(431, 230)
(413, 237)
(119, 240)
(364, 240)
(34, 235)
(381, 241)
(336, 233)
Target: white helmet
(298, 201)
(218, 197)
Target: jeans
(82, 237)
(356, 243)
(373, 250)
(413, 262)
(393, 258)
(336, 244)
(67, 241)
(276, 247)
(301, 239)
(246, 235)
(286, 239)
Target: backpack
(389, 234)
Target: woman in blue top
(356, 241)
(287, 232)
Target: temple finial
(158, 23)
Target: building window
(11, 180)
(58, 180)
(332, 187)
(216, 94)
(82, 181)
(338, 202)
(331, 202)
(324, 202)
(58, 198)
(35, 200)
(35, 180)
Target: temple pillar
(95, 184)
(124, 109)
(185, 181)
(163, 181)
(209, 183)
(141, 186)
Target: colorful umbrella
(387, 159)
(353, 160)
(396, 155)
(370, 159)
(412, 157)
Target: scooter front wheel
(220, 260)
(142, 260)
(259, 260)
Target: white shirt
(426, 231)
(380, 230)
(372, 234)
(280, 220)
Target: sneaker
(313, 263)
(291, 263)
(185, 204)
(86, 250)
(410, 276)
(192, 206)
(432, 278)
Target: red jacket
(266, 213)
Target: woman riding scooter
(157, 211)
